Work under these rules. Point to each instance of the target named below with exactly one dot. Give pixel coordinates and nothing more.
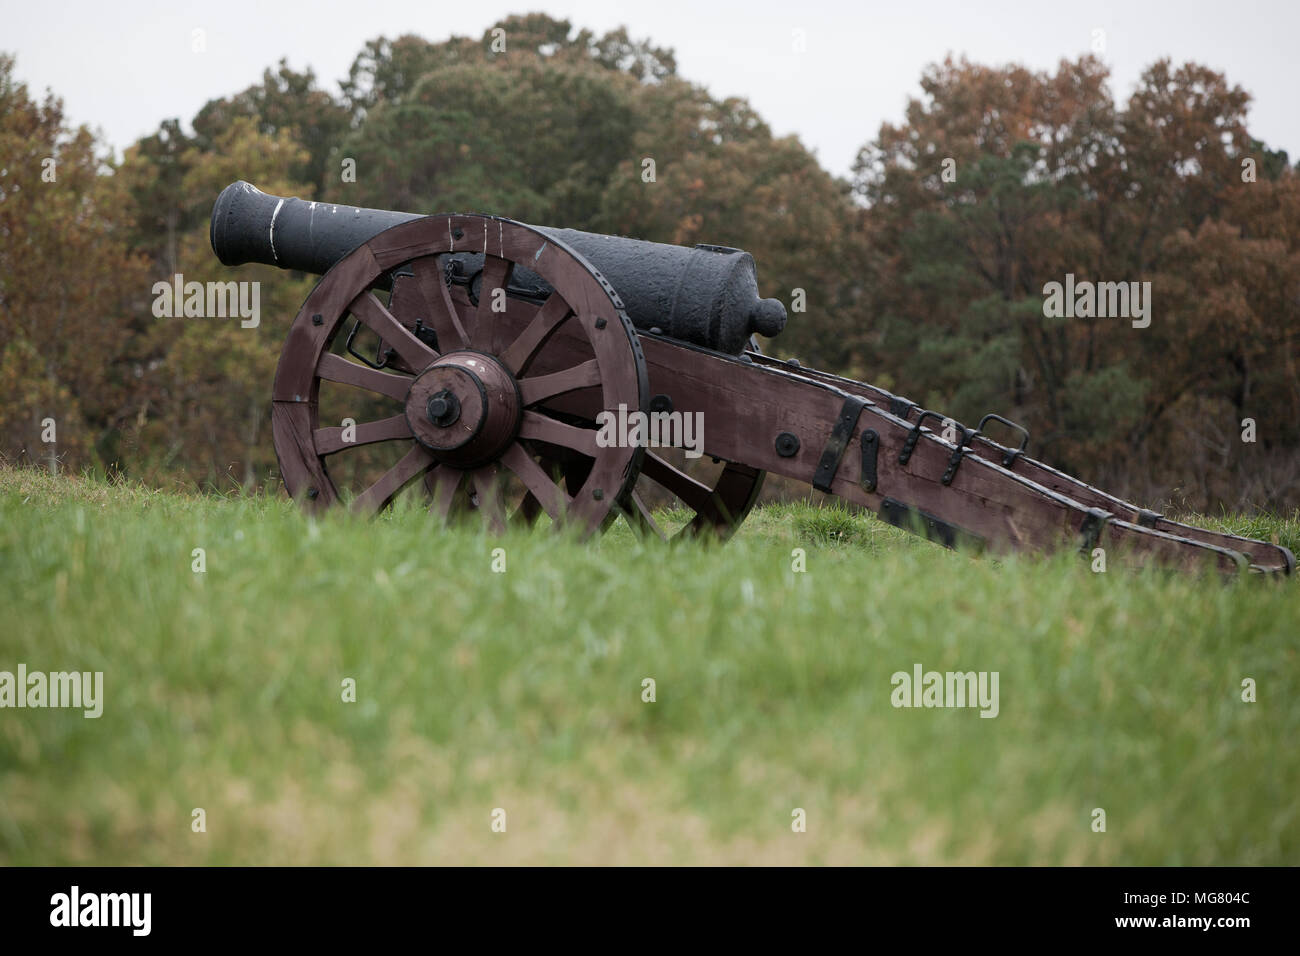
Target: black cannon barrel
(706, 295)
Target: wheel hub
(465, 408)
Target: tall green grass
(523, 691)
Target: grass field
(522, 691)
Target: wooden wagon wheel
(719, 509)
(467, 413)
(717, 504)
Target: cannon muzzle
(705, 295)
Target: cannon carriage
(500, 344)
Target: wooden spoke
(335, 368)
(406, 304)
(491, 500)
(519, 354)
(540, 486)
(379, 320)
(540, 427)
(443, 482)
(442, 314)
(374, 498)
(641, 520)
(330, 440)
(542, 387)
(496, 274)
(694, 494)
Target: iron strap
(870, 448)
(920, 522)
(1147, 519)
(900, 407)
(838, 442)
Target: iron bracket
(838, 443)
(922, 522)
(900, 407)
(870, 450)
(1010, 456)
(954, 461)
(1093, 524)
(381, 356)
(914, 436)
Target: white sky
(125, 65)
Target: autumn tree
(285, 102)
(68, 282)
(1002, 180)
(202, 408)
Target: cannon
(706, 294)
(507, 359)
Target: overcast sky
(124, 66)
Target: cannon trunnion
(511, 357)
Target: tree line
(924, 272)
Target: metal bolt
(316, 319)
(313, 492)
(458, 233)
(787, 444)
(600, 323)
(598, 494)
